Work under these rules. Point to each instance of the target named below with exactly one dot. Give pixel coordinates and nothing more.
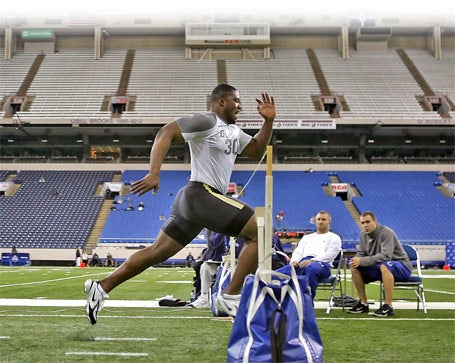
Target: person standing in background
(78, 257)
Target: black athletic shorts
(197, 205)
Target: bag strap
(297, 297)
(277, 252)
(225, 272)
(258, 295)
(278, 336)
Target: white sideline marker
(123, 339)
(119, 354)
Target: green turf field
(47, 323)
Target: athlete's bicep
(171, 132)
(251, 149)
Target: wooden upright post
(268, 220)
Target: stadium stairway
(30, 75)
(353, 211)
(427, 90)
(95, 233)
(351, 208)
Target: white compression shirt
(214, 146)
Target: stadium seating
(142, 226)
(59, 212)
(438, 73)
(408, 202)
(411, 211)
(71, 83)
(450, 176)
(287, 76)
(13, 72)
(51, 209)
(166, 84)
(374, 85)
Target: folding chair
(333, 282)
(414, 283)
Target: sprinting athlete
(215, 141)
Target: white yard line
(53, 280)
(155, 304)
(220, 319)
(116, 354)
(123, 339)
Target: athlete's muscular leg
(248, 258)
(163, 248)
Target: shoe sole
(91, 312)
(358, 312)
(383, 315)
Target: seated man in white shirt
(315, 253)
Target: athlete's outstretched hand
(266, 107)
(148, 182)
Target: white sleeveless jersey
(214, 146)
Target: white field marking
(123, 339)
(389, 319)
(118, 354)
(5, 269)
(43, 302)
(174, 282)
(53, 280)
(222, 318)
(438, 276)
(212, 318)
(441, 292)
(409, 305)
(424, 276)
(87, 270)
(4, 337)
(425, 290)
